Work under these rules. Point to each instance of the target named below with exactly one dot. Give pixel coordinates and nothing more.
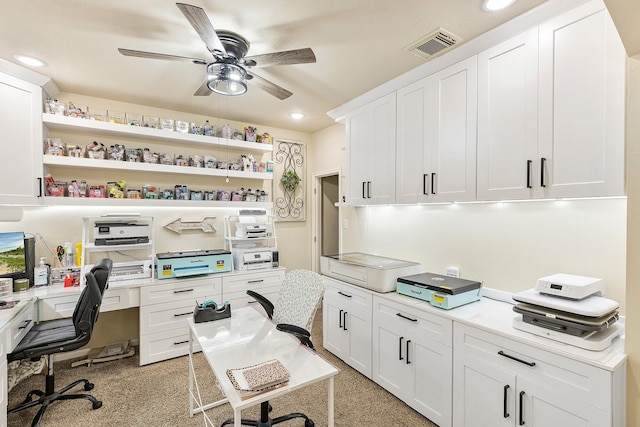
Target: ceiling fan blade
(269, 87)
(203, 90)
(200, 22)
(153, 55)
(287, 57)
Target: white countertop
(496, 316)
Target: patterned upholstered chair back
(299, 298)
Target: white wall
(505, 245)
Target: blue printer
(440, 291)
(192, 263)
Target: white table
(246, 339)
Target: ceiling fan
(228, 74)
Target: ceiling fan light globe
(227, 87)
(226, 79)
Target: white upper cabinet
(436, 136)
(21, 141)
(507, 118)
(551, 110)
(581, 105)
(371, 132)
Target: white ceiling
(359, 44)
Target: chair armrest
(264, 302)
(302, 334)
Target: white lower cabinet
(164, 309)
(266, 282)
(499, 382)
(412, 357)
(347, 324)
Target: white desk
(249, 338)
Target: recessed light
(493, 5)
(29, 60)
(296, 116)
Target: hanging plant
(290, 180)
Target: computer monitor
(13, 259)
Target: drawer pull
(405, 317)
(183, 314)
(183, 291)
(256, 281)
(253, 302)
(345, 295)
(25, 324)
(505, 414)
(521, 420)
(502, 353)
(180, 342)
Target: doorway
(326, 216)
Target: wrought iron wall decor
(289, 181)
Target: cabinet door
(483, 394)
(390, 369)
(432, 386)
(334, 337)
(20, 141)
(543, 406)
(359, 154)
(358, 328)
(451, 128)
(382, 147)
(413, 156)
(507, 119)
(582, 104)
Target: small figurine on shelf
(250, 134)
(266, 138)
(226, 131)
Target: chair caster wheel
(97, 405)
(88, 386)
(309, 423)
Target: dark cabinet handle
(344, 321)
(405, 317)
(543, 164)
(408, 362)
(433, 184)
(344, 295)
(39, 187)
(508, 356)
(529, 162)
(425, 192)
(183, 291)
(182, 314)
(340, 319)
(364, 189)
(400, 348)
(180, 342)
(505, 414)
(255, 281)
(521, 420)
(368, 189)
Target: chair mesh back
(299, 298)
(88, 306)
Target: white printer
(254, 258)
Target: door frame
(316, 215)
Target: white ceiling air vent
(433, 43)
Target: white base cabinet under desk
(266, 282)
(164, 308)
(347, 324)
(501, 382)
(412, 357)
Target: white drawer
(5, 341)
(421, 323)
(20, 325)
(162, 317)
(342, 293)
(241, 299)
(184, 289)
(569, 377)
(63, 306)
(165, 345)
(240, 283)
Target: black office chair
(299, 298)
(58, 336)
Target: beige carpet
(157, 395)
